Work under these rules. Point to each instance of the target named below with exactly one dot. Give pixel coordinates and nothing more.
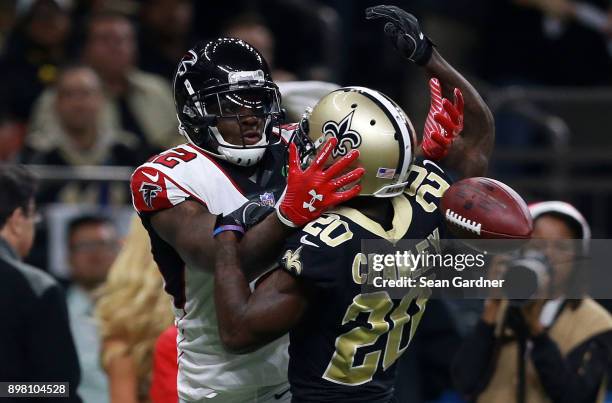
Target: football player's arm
(248, 320)
(188, 227)
(470, 151)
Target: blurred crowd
(88, 82)
(85, 75)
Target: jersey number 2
(172, 158)
(420, 190)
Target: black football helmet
(225, 79)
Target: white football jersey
(187, 172)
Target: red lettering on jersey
(172, 158)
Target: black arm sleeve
(575, 378)
(471, 366)
(51, 350)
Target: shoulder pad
(431, 165)
(153, 190)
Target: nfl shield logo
(267, 199)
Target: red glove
(310, 192)
(444, 122)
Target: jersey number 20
(342, 369)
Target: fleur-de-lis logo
(291, 261)
(342, 131)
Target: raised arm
(471, 150)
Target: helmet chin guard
(244, 157)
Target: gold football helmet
(366, 120)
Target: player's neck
(375, 208)
(251, 172)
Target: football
(483, 208)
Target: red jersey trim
(160, 200)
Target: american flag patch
(385, 173)
(267, 199)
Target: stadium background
(544, 69)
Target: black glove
(405, 33)
(228, 223)
(242, 219)
(251, 213)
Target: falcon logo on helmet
(189, 59)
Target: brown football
(483, 208)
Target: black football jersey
(345, 347)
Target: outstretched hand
(444, 122)
(311, 191)
(404, 31)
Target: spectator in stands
(7, 21)
(165, 34)
(73, 131)
(12, 134)
(252, 29)
(75, 135)
(307, 25)
(93, 244)
(38, 44)
(592, 15)
(141, 102)
(557, 349)
(555, 31)
(35, 341)
(133, 311)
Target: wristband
(223, 228)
